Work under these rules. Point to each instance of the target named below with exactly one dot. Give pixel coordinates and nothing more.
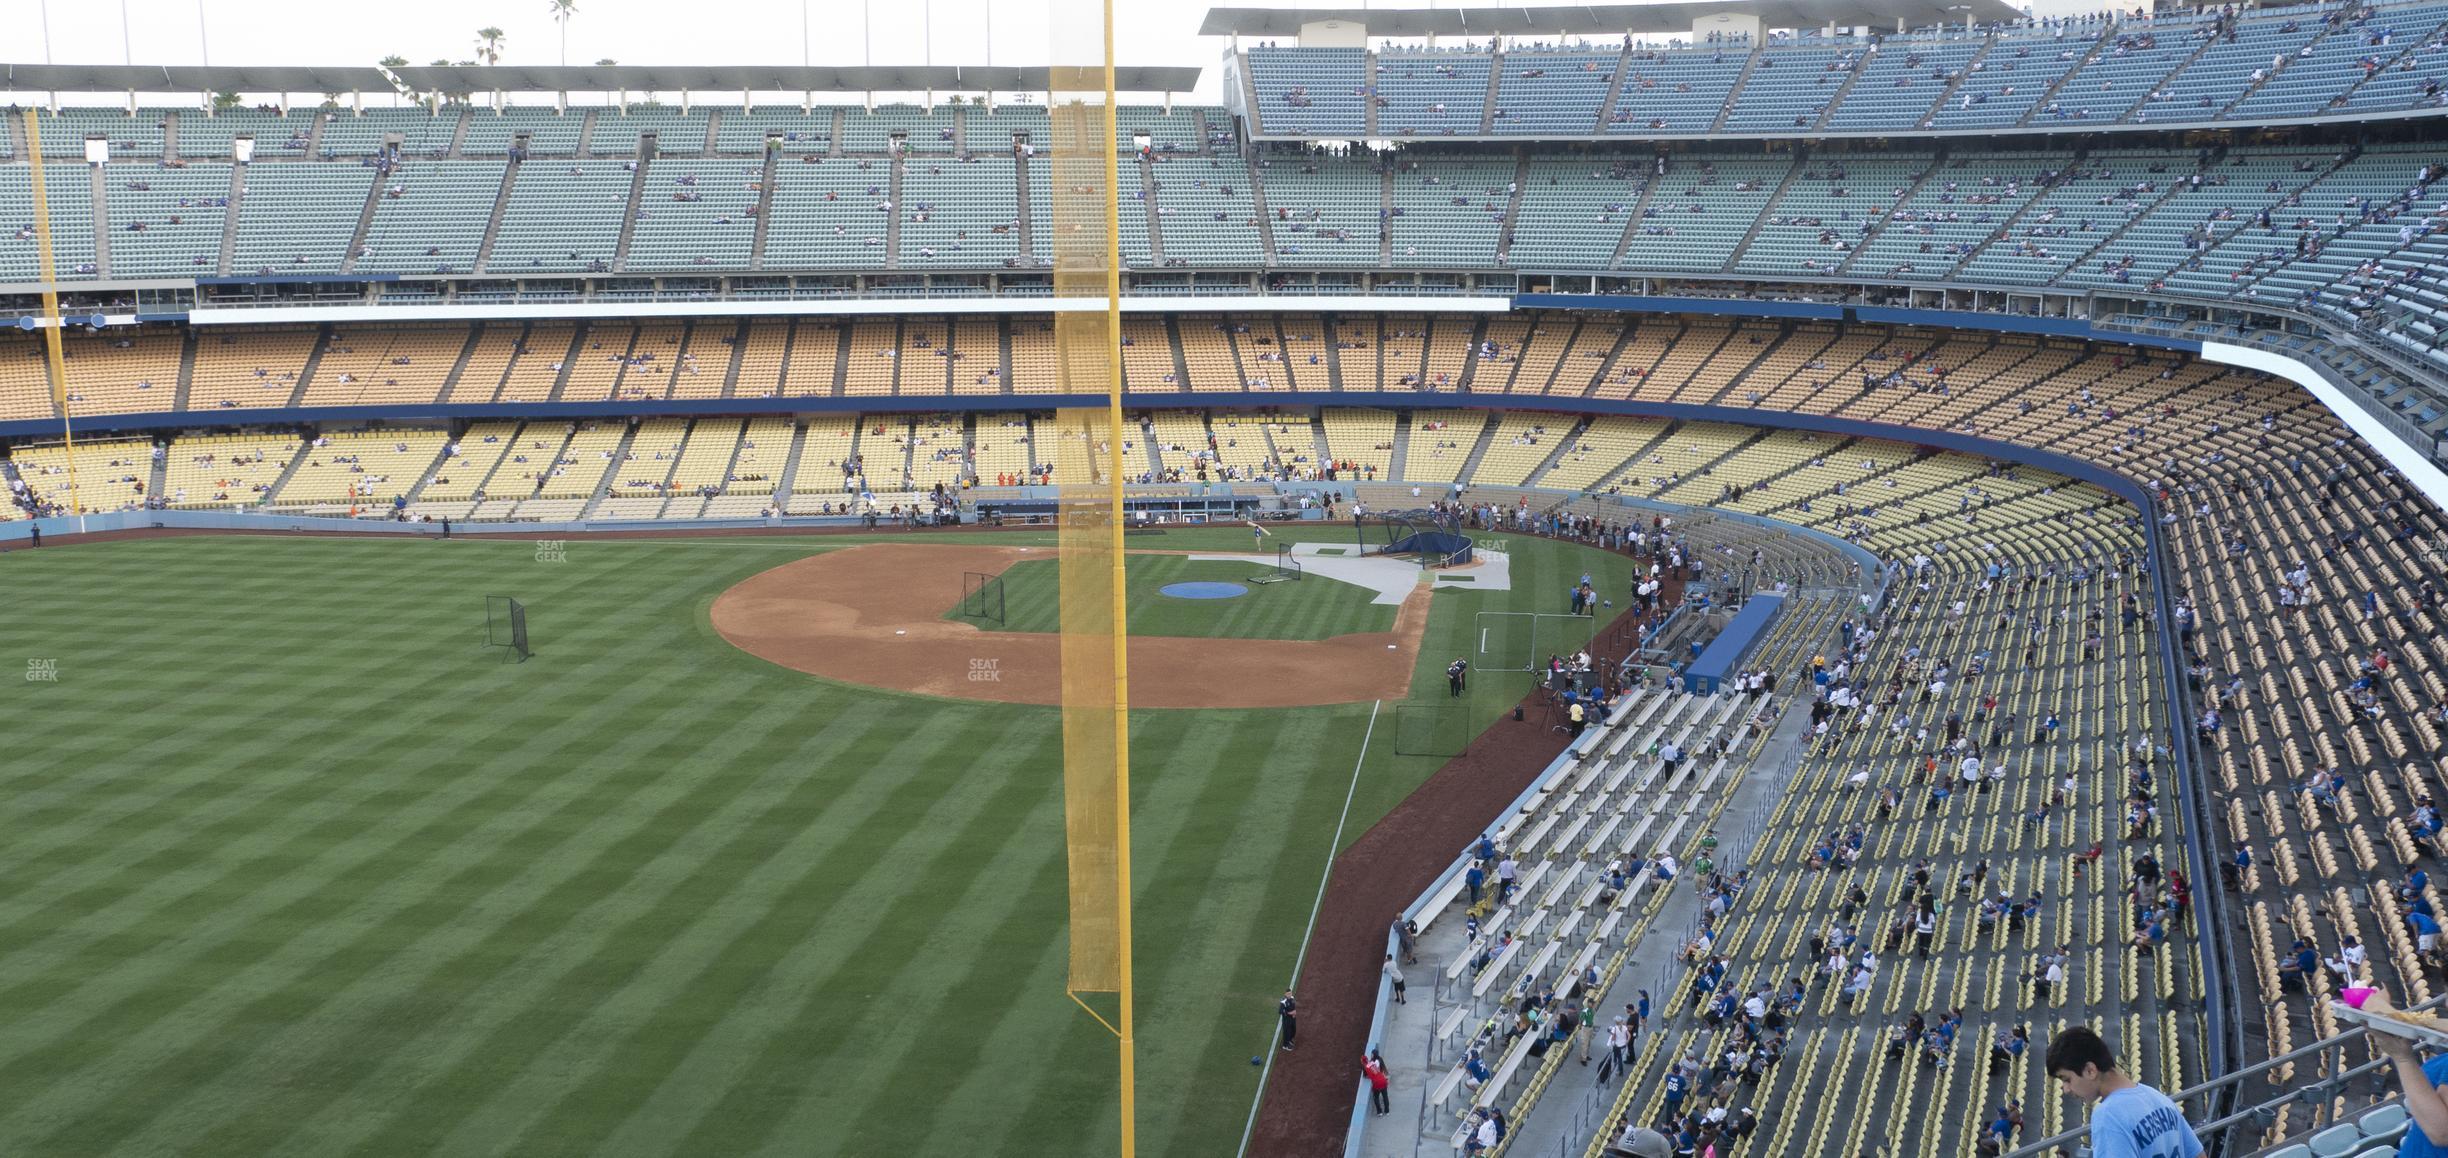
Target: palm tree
(453, 97)
(562, 10)
(394, 61)
(488, 45)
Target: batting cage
(981, 596)
(1433, 538)
(1522, 640)
(1286, 569)
(506, 627)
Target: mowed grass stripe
(1234, 762)
(202, 788)
(1029, 1019)
(1211, 909)
(278, 1091)
(178, 1032)
(294, 892)
(976, 879)
(528, 915)
(1298, 802)
(302, 780)
(1171, 788)
(422, 1117)
(422, 1022)
(805, 1031)
(627, 995)
(693, 1044)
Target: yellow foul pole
(1121, 610)
(1091, 453)
(50, 309)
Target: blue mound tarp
(1726, 652)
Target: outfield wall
(268, 523)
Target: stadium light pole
(46, 23)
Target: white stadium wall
(2413, 464)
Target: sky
(664, 32)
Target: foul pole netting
(1083, 153)
(47, 266)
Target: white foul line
(1303, 955)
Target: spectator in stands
(1638, 1141)
(2236, 868)
(1483, 1136)
(2132, 1120)
(2302, 962)
(2424, 1101)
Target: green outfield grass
(293, 866)
(1312, 608)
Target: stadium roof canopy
(1605, 19)
(575, 78)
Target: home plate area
(1392, 579)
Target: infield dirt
(872, 615)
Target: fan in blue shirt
(2132, 1120)
(2425, 1101)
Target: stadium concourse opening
(873, 615)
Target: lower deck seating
(360, 470)
(224, 471)
(96, 476)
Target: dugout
(1150, 509)
(1726, 652)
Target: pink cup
(2355, 997)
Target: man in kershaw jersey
(2132, 1119)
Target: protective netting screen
(1087, 473)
